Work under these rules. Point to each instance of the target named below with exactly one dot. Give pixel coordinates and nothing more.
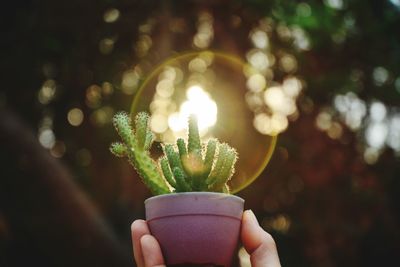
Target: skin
(258, 243)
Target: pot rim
(200, 193)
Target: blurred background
(322, 75)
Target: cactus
(183, 168)
(135, 148)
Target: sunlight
(198, 103)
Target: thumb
(258, 243)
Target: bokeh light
(75, 117)
(336, 4)
(205, 31)
(106, 45)
(111, 15)
(377, 123)
(47, 92)
(47, 138)
(395, 3)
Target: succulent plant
(184, 167)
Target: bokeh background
(330, 195)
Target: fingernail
(144, 241)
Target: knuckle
(268, 240)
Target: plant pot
(196, 228)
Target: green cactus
(136, 151)
(183, 168)
(167, 171)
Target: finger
(139, 228)
(258, 243)
(151, 251)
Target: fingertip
(137, 224)
(253, 235)
(139, 228)
(249, 216)
(257, 242)
(250, 232)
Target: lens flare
(214, 87)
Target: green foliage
(184, 168)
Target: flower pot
(196, 227)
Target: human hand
(258, 243)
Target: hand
(258, 243)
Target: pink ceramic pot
(196, 227)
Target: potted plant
(193, 216)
